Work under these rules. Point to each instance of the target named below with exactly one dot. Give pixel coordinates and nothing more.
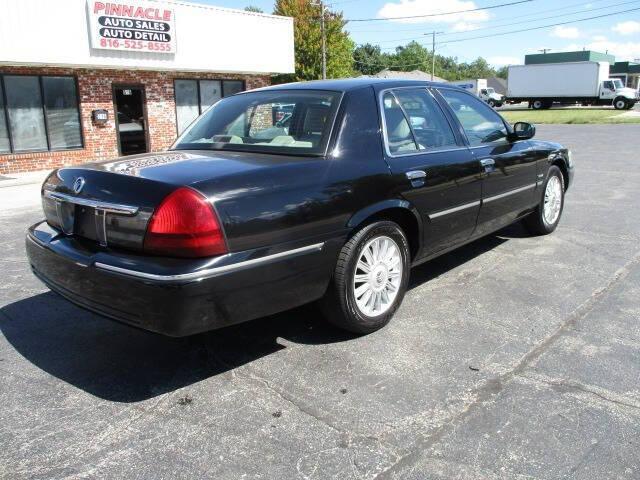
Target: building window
(194, 96)
(61, 107)
(38, 113)
(5, 146)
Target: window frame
(383, 123)
(484, 105)
(198, 95)
(44, 112)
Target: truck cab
(478, 87)
(613, 90)
(490, 96)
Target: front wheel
(370, 279)
(545, 218)
(492, 103)
(620, 104)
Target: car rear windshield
(283, 121)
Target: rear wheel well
(405, 220)
(565, 173)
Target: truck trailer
(478, 86)
(586, 83)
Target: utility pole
(324, 40)
(433, 52)
(545, 50)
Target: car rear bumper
(179, 297)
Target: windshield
(617, 83)
(283, 121)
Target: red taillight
(185, 225)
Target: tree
(479, 68)
(411, 56)
(252, 8)
(502, 72)
(308, 41)
(368, 59)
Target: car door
(436, 171)
(508, 166)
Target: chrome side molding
(442, 213)
(510, 192)
(210, 272)
(484, 200)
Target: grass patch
(568, 116)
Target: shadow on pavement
(123, 364)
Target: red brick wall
(95, 92)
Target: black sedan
(248, 215)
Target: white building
(150, 67)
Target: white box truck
(587, 83)
(478, 86)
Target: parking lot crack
(572, 386)
(346, 435)
(301, 407)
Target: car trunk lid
(111, 202)
(100, 206)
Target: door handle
(416, 174)
(489, 164)
(416, 177)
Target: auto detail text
(139, 26)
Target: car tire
(545, 218)
(537, 104)
(367, 303)
(492, 103)
(620, 104)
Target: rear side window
(430, 127)
(480, 123)
(398, 132)
(414, 122)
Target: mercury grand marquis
(327, 191)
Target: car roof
(347, 84)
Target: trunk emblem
(78, 185)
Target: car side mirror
(522, 131)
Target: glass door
(131, 120)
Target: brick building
(86, 80)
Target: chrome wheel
(552, 200)
(377, 276)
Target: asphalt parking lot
(513, 357)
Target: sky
(618, 34)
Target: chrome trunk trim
(100, 205)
